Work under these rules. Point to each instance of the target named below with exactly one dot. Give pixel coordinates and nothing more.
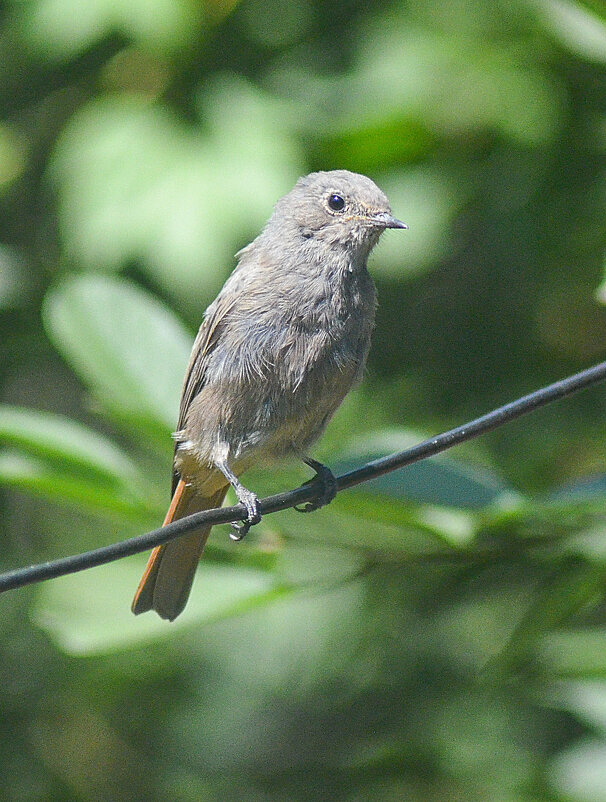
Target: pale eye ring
(336, 202)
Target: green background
(437, 635)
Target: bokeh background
(437, 635)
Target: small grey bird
(277, 352)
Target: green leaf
(579, 29)
(578, 774)
(429, 201)
(439, 480)
(317, 564)
(582, 489)
(62, 29)
(574, 653)
(44, 478)
(179, 200)
(406, 71)
(89, 612)
(555, 601)
(68, 444)
(432, 524)
(350, 527)
(586, 699)
(130, 349)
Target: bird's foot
(329, 486)
(253, 515)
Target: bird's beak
(386, 220)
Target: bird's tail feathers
(169, 574)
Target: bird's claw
(239, 530)
(253, 515)
(329, 487)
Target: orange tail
(168, 577)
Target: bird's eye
(336, 203)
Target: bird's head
(336, 208)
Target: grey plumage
(284, 341)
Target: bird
(277, 352)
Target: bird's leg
(329, 485)
(246, 497)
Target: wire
(309, 491)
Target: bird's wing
(206, 339)
(210, 330)
(196, 374)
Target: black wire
(308, 491)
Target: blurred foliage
(438, 634)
